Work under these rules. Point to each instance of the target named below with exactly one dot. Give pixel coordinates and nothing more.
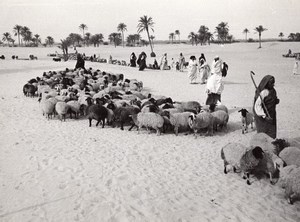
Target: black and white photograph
(149, 111)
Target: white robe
(214, 84)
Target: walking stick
(262, 101)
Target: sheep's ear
(240, 111)
(246, 111)
(258, 152)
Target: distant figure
(181, 61)
(202, 57)
(296, 68)
(204, 70)
(155, 64)
(142, 61)
(173, 64)
(164, 63)
(266, 92)
(132, 60)
(110, 60)
(216, 66)
(80, 62)
(192, 69)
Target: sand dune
(66, 171)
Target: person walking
(264, 106)
(192, 70)
(164, 63)
(204, 69)
(215, 85)
(142, 61)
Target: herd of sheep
(279, 159)
(110, 99)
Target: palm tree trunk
(123, 38)
(259, 40)
(19, 38)
(149, 40)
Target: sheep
(74, 107)
(231, 154)
(220, 119)
(29, 90)
(47, 107)
(152, 120)
(62, 109)
(267, 143)
(290, 180)
(189, 106)
(247, 119)
(97, 112)
(270, 165)
(291, 156)
(201, 121)
(250, 160)
(179, 120)
(122, 114)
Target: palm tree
(260, 29)
(281, 35)
(64, 45)
(49, 41)
(83, 27)
(246, 31)
(6, 37)
(152, 37)
(144, 24)
(96, 39)
(115, 38)
(17, 30)
(25, 33)
(177, 32)
(171, 36)
(121, 28)
(37, 39)
(203, 30)
(222, 31)
(87, 38)
(192, 37)
(292, 36)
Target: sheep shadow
(234, 83)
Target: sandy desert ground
(66, 171)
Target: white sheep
(189, 106)
(231, 154)
(201, 121)
(150, 120)
(74, 107)
(62, 109)
(290, 180)
(179, 121)
(247, 119)
(47, 107)
(220, 119)
(291, 155)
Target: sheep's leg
(157, 131)
(90, 122)
(122, 124)
(271, 179)
(248, 178)
(225, 167)
(103, 123)
(131, 127)
(195, 133)
(176, 130)
(98, 123)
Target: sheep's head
(279, 145)
(165, 113)
(243, 112)
(191, 119)
(258, 153)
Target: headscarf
(262, 85)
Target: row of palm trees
(25, 35)
(173, 35)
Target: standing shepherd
(192, 69)
(264, 107)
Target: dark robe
(263, 125)
(80, 63)
(132, 60)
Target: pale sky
(59, 18)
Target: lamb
(291, 156)
(201, 121)
(247, 119)
(62, 109)
(290, 180)
(29, 90)
(152, 120)
(220, 119)
(231, 154)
